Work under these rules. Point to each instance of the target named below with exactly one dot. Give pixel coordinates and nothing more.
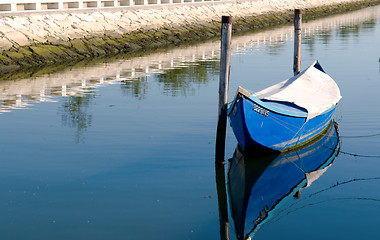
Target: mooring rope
(362, 136)
(355, 154)
(342, 183)
(278, 217)
(280, 214)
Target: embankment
(31, 40)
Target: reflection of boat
(258, 186)
(287, 114)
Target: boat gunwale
(247, 95)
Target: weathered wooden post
(297, 41)
(224, 77)
(225, 56)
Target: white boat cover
(311, 89)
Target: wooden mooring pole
(224, 77)
(225, 56)
(297, 41)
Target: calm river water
(125, 149)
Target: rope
(287, 126)
(278, 217)
(303, 167)
(301, 129)
(362, 136)
(360, 155)
(279, 122)
(342, 183)
(355, 154)
(279, 214)
(274, 118)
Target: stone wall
(40, 38)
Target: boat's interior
(287, 106)
(281, 107)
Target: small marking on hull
(260, 110)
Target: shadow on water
(258, 186)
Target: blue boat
(286, 115)
(259, 186)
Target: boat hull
(258, 125)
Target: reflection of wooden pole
(297, 41)
(225, 56)
(222, 201)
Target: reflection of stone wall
(78, 81)
(75, 35)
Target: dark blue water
(125, 149)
